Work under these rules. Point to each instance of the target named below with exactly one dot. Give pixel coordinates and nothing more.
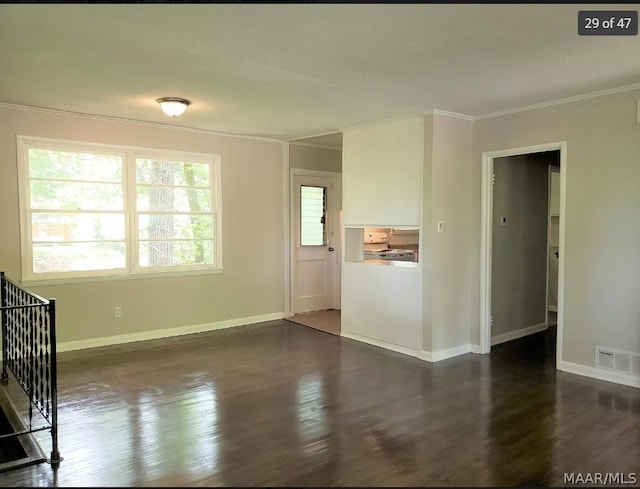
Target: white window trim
(129, 154)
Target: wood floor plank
(280, 404)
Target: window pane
(171, 253)
(312, 215)
(64, 165)
(76, 196)
(163, 172)
(73, 257)
(167, 226)
(173, 199)
(77, 227)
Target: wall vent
(618, 360)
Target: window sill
(114, 278)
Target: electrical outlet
(504, 221)
(118, 312)
(440, 226)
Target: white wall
(382, 187)
(382, 303)
(602, 227)
(253, 203)
(382, 173)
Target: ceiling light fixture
(173, 106)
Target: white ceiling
(296, 70)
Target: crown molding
(311, 145)
(391, 119)
(159, 125)
(452, 114)
(122, 120)
(318, 135)
(566, 100)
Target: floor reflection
(285, 405)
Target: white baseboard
(164, 333)
(381, 344)
(600, 374)
(518, 333)
(421, 354)
(437, 356)
(475, 348)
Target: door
(315, 243)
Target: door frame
(552, 170)
(336, 205)
(486, 237)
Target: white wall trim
(317, 135)
(421, 354)
(315, 173)
(576, 98)
(596, 373)
(320, 146)
(486, 238)
(474, 348)
(415, 115)
(287, 242)
(164, 333)
(440, 355)
(518, 333)
(124, 120)
(381, 344)
(453, 114)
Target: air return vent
(618, 360)
(605, 359)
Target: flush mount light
(173, 106)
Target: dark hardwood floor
(282, 404)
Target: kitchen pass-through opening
(396, 246)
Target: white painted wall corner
(440, 355)
(381, 344)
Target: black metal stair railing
(29, 353)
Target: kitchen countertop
(393, 263)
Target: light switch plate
(440, 226)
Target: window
(103, 210)
(313, 212)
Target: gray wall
(450, 195)
(314, 158)
(519, 250)
(426, 239)
(252, 204)
(602, 227)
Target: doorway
(506, 248)
(316, 249)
